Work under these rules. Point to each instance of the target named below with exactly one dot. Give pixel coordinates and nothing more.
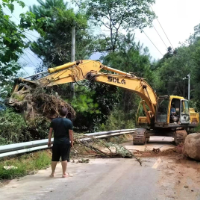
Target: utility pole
(73, 49)
(188, 77)
(73, 44)
(188, 86)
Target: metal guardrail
(110, 132)
(26, 147)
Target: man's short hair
(63, 111)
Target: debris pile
(102, 148)
(38, 103)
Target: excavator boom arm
(88, 69)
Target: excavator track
(180, 136)
(139, 137)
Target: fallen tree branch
(106, 149)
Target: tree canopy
(118, 15)
(54, 21)
(11, 46)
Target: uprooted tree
(37, 102)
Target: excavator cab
(172, 111)
(172, 118)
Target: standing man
(63, 141)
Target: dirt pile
(37, 102)
(156, 152)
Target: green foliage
(119, 120)
(10, 4)
(47, 7)
(104, 149)
(7, 75)
(130, 57)
(11, 46)
(24, 165)
(177, 64)
(12, 127)
(39, 128)
(115, 15)
(171, 70)
(8, 67)
(54, 21)
(93, 103)
(195, 73)
(85, 103)
(174, 66)
(11, 35)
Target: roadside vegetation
(30, 163)
(24, 165)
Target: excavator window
(162, 110)
(184, 107)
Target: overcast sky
(177, 17)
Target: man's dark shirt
(61, 127)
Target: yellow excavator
(164, 116)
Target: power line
(160, 36)
(163, 30)
(12, 14)
(24, 59)
(25, 71)
(25, 38)
(19, 21)
(165, 33)
(23, 67)
(27, 62)
(33, 55)
(152, 42)
(32, 35)
(25, 32)
(30, 59)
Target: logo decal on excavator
(116, 80)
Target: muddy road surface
(161, 177)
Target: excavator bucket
(21, 89)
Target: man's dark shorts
(61, 149)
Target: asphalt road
(159, 178)
(110, 179)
